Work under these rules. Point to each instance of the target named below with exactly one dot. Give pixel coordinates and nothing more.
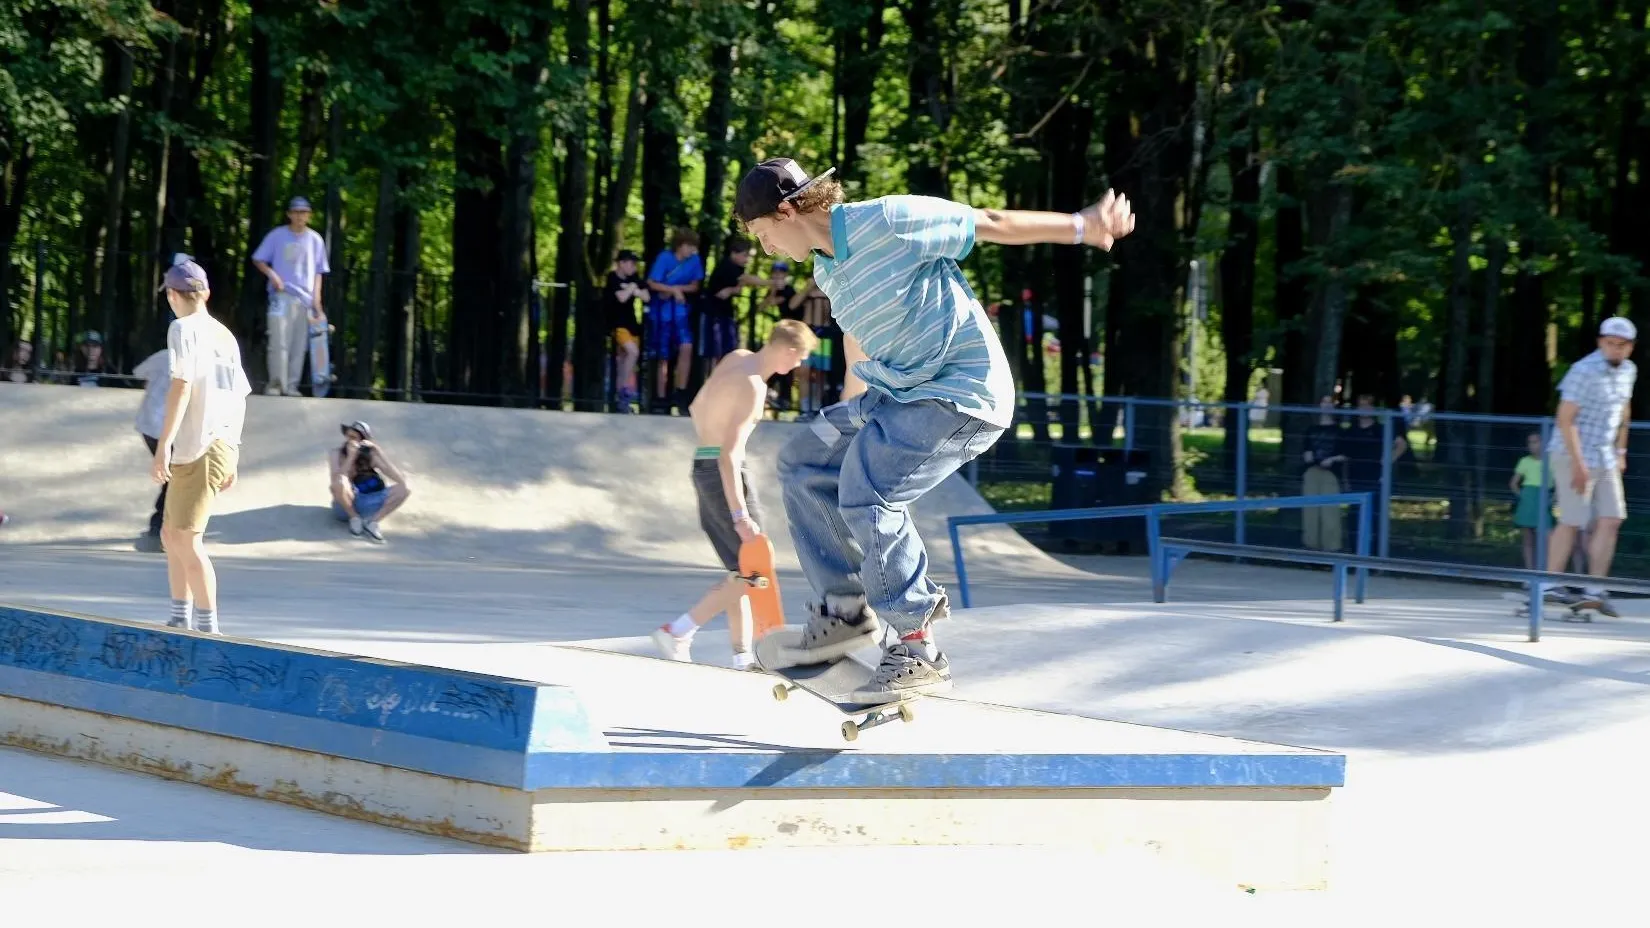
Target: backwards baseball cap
(769, 184)
(298, 203)
(1620, 327)
(185, 276)
(357, 425)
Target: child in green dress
(1526, 482)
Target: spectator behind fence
(88, 361)
(17, 362)
(1588, 451)
(1321, 525)
(156, 374)
(675, 276)
(624, 288)
(360, 494)
(294, 258)
(1526, 484)
(721, 328)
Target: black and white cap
(769, 184)
(1620, 327)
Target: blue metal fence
(1153, 513)
(1125, 426)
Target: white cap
(1619, 326)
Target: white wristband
(1077, 224)
(739, 515)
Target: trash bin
(1087, 477)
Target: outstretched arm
(1099, 225)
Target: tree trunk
(1331, 211)
(598, 257)
(1290, 296)
(572, 301)
(265, 111)
(404, 295)
(310, 129)
(378, 280)
(618, 195)
(1237, 272)
(114, 202)
(475, 326)
(1454, 435)
(861, 45)
(662, 209)
(1068, 147)
(928, 109)
(718, 117)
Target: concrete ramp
(500, 485)
(571, 749)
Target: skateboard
(830, 682)
(321, 377)
(756, 569)
(1583, 612)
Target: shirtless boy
(724, 413)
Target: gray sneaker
(1560, 596)
(828, 637)
(902, 675)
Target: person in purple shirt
(293, 257)
(675, 275)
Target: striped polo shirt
(1602, 392)
(895, 287)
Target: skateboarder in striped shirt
(928, 389)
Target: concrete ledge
(1272, 838)
(627, 752)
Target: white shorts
(1603, 498)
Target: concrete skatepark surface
(1481, 768)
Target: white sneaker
(272, 390)
(672, 647)
(374, 532)
(355, 525)
(744, 660)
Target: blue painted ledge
(512, 733)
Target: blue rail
(1153, 513)
(1173, 550)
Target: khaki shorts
(193, 487)
(1603, 499)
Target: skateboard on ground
(831, 682)
(321, 377)
(756, 569)
(1584, 612)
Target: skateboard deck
(1583, 612)
(833, 683)
(756, 569)
(320, 358)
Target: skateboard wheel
(761, 583)
(905, 713)
(850, 731)
(781, 692)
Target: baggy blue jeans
(849, 481)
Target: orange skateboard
(756, 569)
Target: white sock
(206, 620)
(921, 644)
(181, 613)
(742, 659)
(682, 627)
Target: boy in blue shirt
(675, 277)
(928, 389)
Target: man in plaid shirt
(1588, 451)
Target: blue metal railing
(1392, 421)
(1153, 513)
(1172, 550)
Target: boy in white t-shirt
(198, 450)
